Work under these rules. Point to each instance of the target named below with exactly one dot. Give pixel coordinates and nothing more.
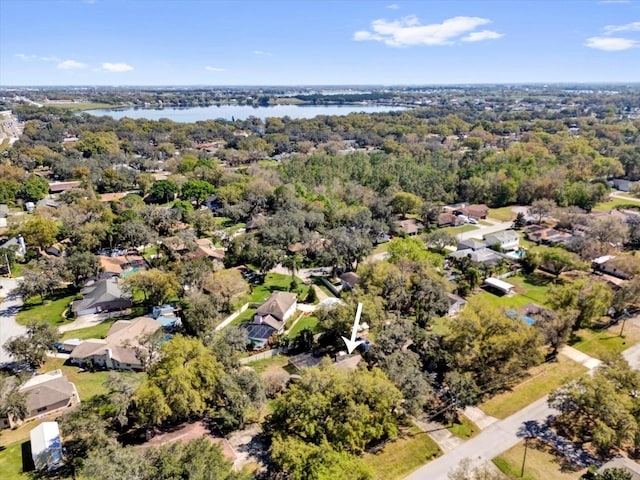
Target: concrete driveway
(9, 307)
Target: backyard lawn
(540, 464)
(402, 456)
(302, 323)
(461, 229)
(274, 282)
(540, 381)
(11, 463)
(616, 202)
(245, 316)
(50, 311)
(87, 383)
(529, 289)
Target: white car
(473, 221)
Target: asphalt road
(8, 310)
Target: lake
(239, 112)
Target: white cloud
(214, 69)
(614, 1)
(27, 58)
(482, 35)
(629, 27)
(408, 31)
(611, 44)
(71, 65)
(261, 52)
(393, 6)
(116, 67)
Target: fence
(233, 316)
(261, 356)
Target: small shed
(501, 286)
(46, 447)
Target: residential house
(46, 446)
(507, 240)
(349, 280)
(17, 245)
(471, 244)
(205, 249)
(112, 197)
(166, 315)
(476, 211)
(456, 304)
(410, 227)
(271, 317)
(45, 393)
(622, 185)
(447, 219)
(617, 266)
(623, 463)
(101, 296)
(547, 236)
(484, 256)
(60, 187)
(121, 349)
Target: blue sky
(300, 42)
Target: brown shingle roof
(277, 305)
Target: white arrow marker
(352, 344)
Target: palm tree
(293, 263)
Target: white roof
(43, 437)
(494, 282)
(603, 259)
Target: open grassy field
(402, 456)
(540, 381)
(50, 311)
(80, 106)
(262, 365)
(540, 464)
(603, 343)
(616, 202)
(503, 214)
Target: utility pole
(524, 459)
(8, 264)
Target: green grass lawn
(463, 428)
(50, 311)
(245, 316)
(540, 464)
(603, 343)
(97, 331)
(302, 323)
(87, 383)
(461, 229)
(402, 456)
(11, 463)
(503, 214)
(80, 106)
(540, 381)
(529, 289)
(616, 202)
(261, 366)
(274, 282)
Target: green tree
(197, 191)
(34, 188)
(541, 208)
(162, 191)
(181, 384)
(493, 346)
(13, 402)
(39, 232)
(32, 347)
(157, 286)
(404, 203)
(308, 410)
(81, 266)
(557, 261)
(299, 460)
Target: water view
(240, 112)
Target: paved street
(8, 310)
(503, 434)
